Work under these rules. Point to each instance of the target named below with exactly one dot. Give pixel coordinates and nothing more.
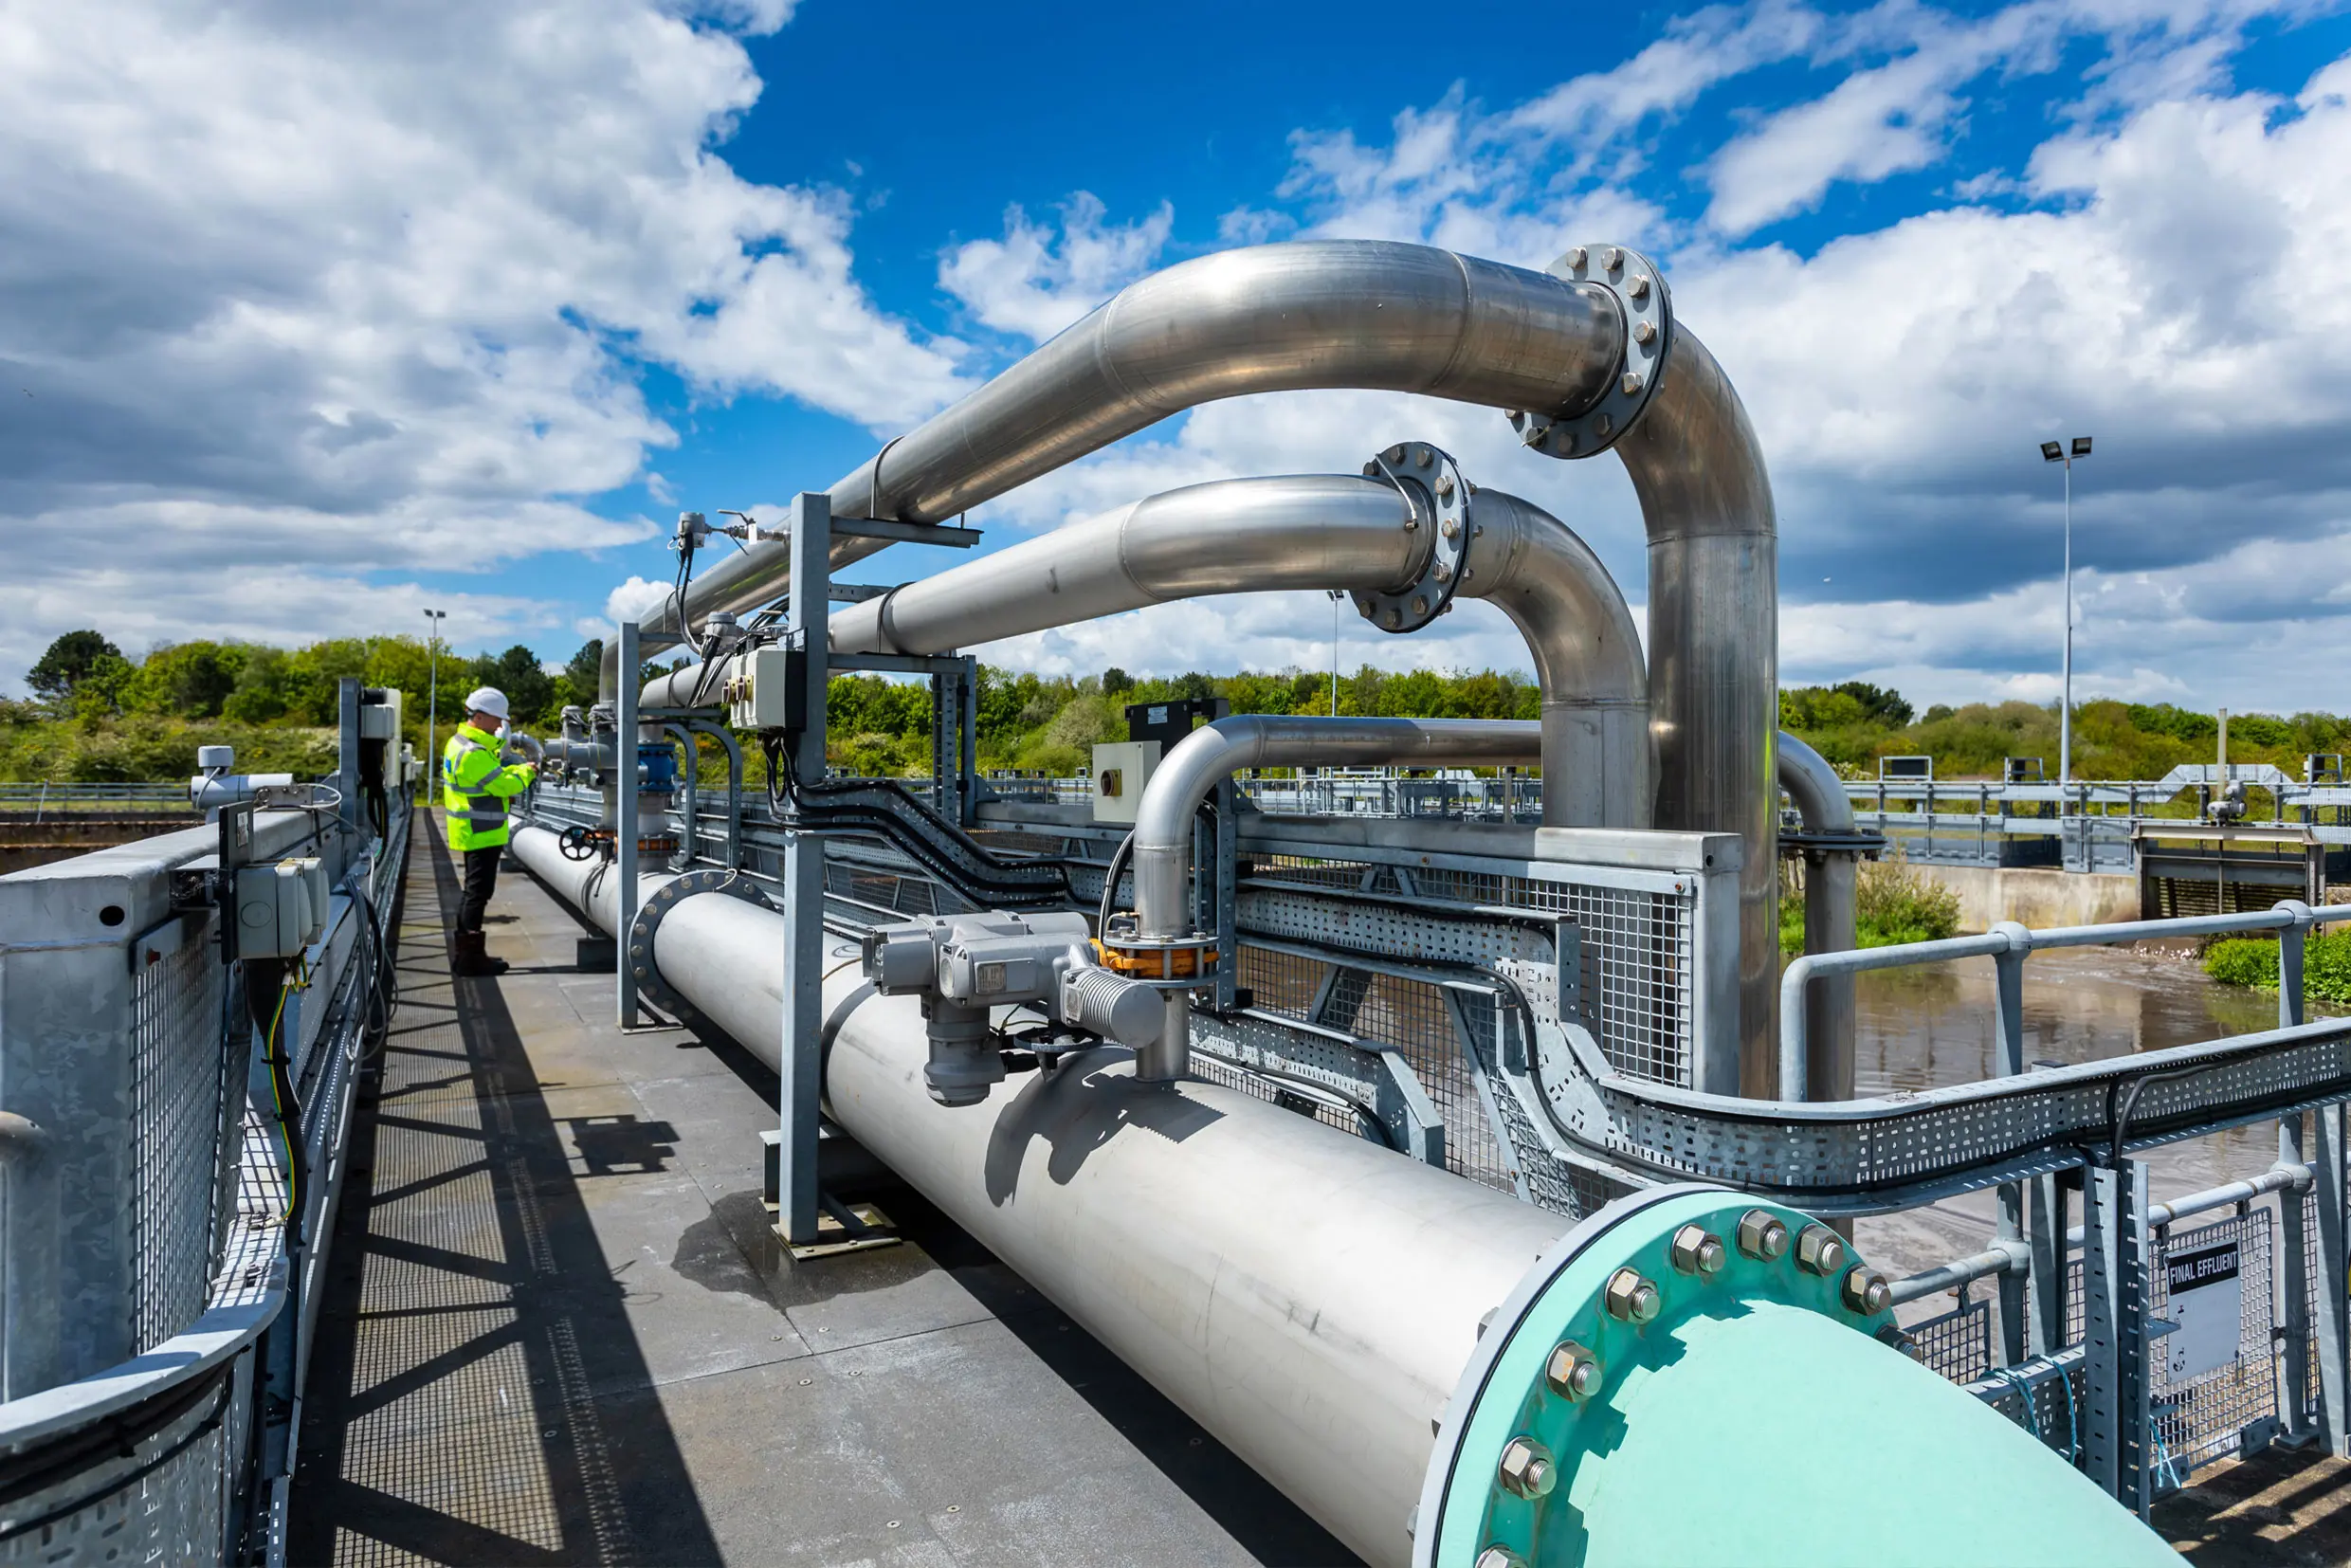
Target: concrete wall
(2036, 898)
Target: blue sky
(323, 315)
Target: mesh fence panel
(1957, 1345)
(2198, 1419)
(176, 1088)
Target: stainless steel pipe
(1714, 650)
(1828, 918)
(1305, 1295)
(1408, 318)
(1307, 532)
(1278, 317)
(1189, 772)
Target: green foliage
(69, 661)
(1892, 903)
(2253, 962)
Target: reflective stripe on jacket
(475, 786)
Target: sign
(2207, 1301)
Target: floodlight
(2052, 452)
(2081, 446)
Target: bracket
(1645, 306)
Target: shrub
(1892, 903)
(2253, 962)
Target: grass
(1893, 902)
(2252, 963)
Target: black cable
(2120, 1114)
(216, 1379)
(287, 1106)
(1118, 858)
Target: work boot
(473, 957)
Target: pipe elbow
(1811, 782)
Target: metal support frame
(2114, 1286)
(800, 1088)
(624, 816)
(347, 754)
(734, 787)
(955, 717)
(2326, 1170)
(2009, 972)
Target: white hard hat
(488, 700)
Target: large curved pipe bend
(1187, 775)
(1310, 314)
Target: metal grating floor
(557, 1329)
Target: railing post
(625, 819)
(2327, 1176)
(2114, 1286)
(2294, 1260)
(2009, 990)
(801, 1066)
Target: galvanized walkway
(559, 1329)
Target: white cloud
(1033, 282)
(365, 286)
(629, 601)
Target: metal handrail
(2000, 940)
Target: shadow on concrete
(476, 1394)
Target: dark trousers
(481, 878)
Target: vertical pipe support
(625, 824)
(347, 760)
(800, 1066)
(2009, 1005)
(2114, 1287)
(2294, 1234)
(2326, 1171)
(689, 809)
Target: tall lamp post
(2054, 452)
(1336, 599)
(432, 689)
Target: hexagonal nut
(1698, 1250)
(1893, 1338)
(1632, 1298)
(1865, 1290)
(1572, 1372)
(1499, 1557)
(1526, 1469)
(1761, 1237)
(1819, 1251)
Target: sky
(312, 316)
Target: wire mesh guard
(177, 1091)
(1635, 992)
(2200, 1419)
(1957, 1344)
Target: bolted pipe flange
(1608, 1307)
(1439, 498)
(639, 956)
(1638, 288)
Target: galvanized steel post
(624, 821)
(2009, 971)
(2294, 1234)
(799, 1067)
(2326, 1171)
(2114, 1290)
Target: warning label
(2207, 1302)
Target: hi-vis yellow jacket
(475, 786)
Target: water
(1934, 1026)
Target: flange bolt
(1499, 1557)
(1573, 1372)
(1696, 1251)
(1526, 1469)
(1819, 1251)
(1761, 1237)
(1893, 1338)
(1632, 1298)
(1866, 1290)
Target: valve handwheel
(576, 843)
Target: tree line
(97, 714)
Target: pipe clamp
(1432, 485)
(1646, 305)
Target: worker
(478, 778)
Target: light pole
(2054, 452)
(1336, 597)
(432, 689)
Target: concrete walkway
(559, 1329)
